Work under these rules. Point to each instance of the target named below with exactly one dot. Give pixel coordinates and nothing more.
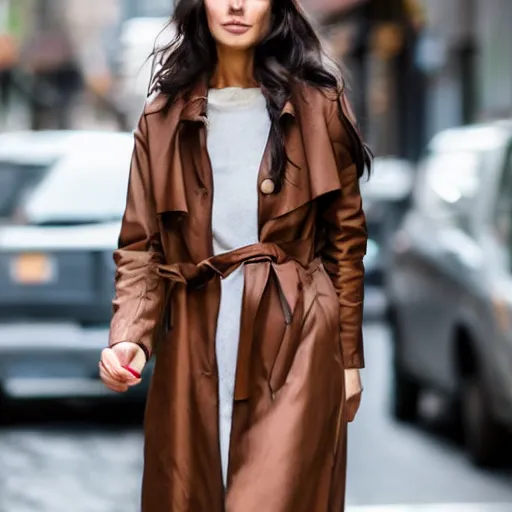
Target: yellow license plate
(33, 268)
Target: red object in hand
(135, 373)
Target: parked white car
(56, 265)
(386, 197)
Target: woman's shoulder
(162, 113)
(156, 102)
(173, 106)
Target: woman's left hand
(353, 391)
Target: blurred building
(60, 61)
(376, 42)
(13, 27)
(414, 67)
(418, 66)
(465, 54)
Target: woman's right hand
(114, 363)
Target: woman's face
(238, 24)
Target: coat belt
(272, 263)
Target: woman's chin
(236, 42)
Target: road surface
(61, 459)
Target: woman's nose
(236, 5)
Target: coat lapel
(311, 170)
(184, 181)
(172, 160)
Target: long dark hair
(291, 53)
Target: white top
(238, 130)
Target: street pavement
(393, 464)
(88, 459)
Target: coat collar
(196, 102)
(183, 178)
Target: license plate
(33, 269)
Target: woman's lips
(236, 28)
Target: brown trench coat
(301, 313)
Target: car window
(83, 187)
(449, 184)
(503, 210)
(15, 180)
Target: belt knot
(264, 261)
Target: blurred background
(431, 84)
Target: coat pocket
(287, 349)
(329, 301)
(293, 334)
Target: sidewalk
(454, 507)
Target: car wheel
(405, 391)
(405, 396)
(4, 407)
(483, 436)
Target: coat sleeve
(346, 240)
(139, 298)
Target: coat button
(267, 186)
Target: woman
(240, 267)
